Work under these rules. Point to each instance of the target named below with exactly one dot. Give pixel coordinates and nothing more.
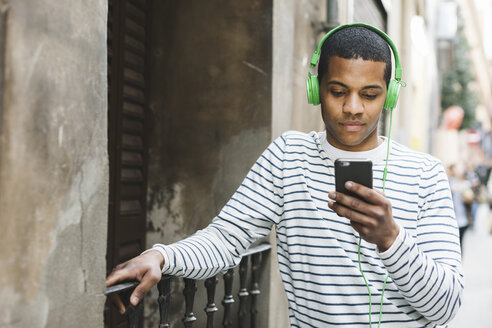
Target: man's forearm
(431, 287)
(199, 256)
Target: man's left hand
(372, 217)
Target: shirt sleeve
(426, 268)
(248, 215)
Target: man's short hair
(355, 42)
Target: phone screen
(352, 169)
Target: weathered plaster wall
(211, 107)
(53, 164)
(296, 32)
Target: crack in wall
(81, 226)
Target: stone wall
(296, 32)
(211, 116)
(53, 164)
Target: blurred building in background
(125, 123)
(469, 145)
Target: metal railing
(253, 255)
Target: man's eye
(369, 96)
(337, 93)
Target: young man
(409, 234)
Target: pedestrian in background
(463, 197)
(489, 198)
(472, 177)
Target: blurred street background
(477, 265)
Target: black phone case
(359, 171)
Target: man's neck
(376, 153)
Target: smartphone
(352, 169)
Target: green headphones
(312, 83)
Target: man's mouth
(352, 126)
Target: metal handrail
(128, 285)
(254, 254)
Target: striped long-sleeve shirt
(288, 187)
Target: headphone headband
(316, 55)
(312, 83)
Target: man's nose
(353, 104)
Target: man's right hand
(146, 268)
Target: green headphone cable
(385, 171)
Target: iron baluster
(255, 287)
(133, 314)
(243, 291)
(189, 294)
(164, 287)
(228, 299)
(210, 309)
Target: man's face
(352, 95)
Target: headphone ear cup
(312, 89)
(392, 95)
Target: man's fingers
(370, 195)
(118, 275)
(145, 268)
(116, 301)
(347, 206)
(349, 212)
(357, 226)
(369, 205)
(348, 201)
(380, 192)
(150, 278)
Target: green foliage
(456, 83)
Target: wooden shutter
(128, 53)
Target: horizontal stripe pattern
(317, 250)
